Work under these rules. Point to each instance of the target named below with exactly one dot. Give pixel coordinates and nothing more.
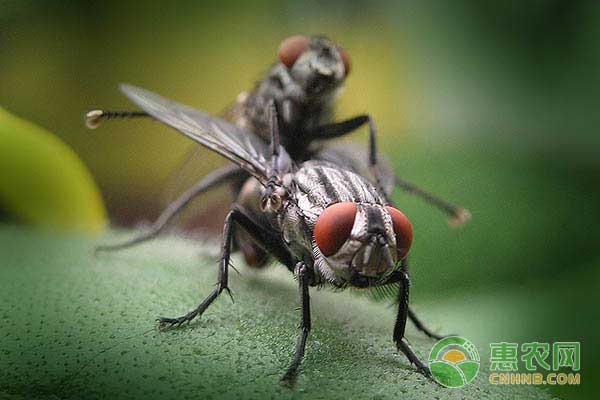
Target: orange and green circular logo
(454, 361)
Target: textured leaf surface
(76, 326)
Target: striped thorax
(340, 224)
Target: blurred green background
(491, 104)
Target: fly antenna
(94, 117)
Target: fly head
(360, 244)
(316, 64)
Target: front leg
(400, 325)
(337, 129)
(165, 322)
(303, 282)
(238, 216)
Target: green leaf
(447, 374)
(79, 326)
(43, 182)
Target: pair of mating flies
(322, 210)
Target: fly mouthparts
(367, 254)
(94, 117)
(387, 255)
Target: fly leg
(303, 282)
(210, 181)
(341, 128)
(451, 209)
(419, 325)
(262, 234)
(413, 317)
(400, 325)
(458, 215)
(222, 282)
(337, 129)
(397, 277)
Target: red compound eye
(345, 59)
(291, 48)
(333, 227)
(403, 231)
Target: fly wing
(238, 145)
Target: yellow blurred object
(43, 182)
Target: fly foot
(167, 323)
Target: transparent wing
(238, 145)
(192, 166)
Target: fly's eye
(333, 227)
(291, 48)
(345, 59)
(403, 231)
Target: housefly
(302, 86)
(326, 224)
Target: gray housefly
(326, 224)
(302, 86)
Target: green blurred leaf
(43, 182)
